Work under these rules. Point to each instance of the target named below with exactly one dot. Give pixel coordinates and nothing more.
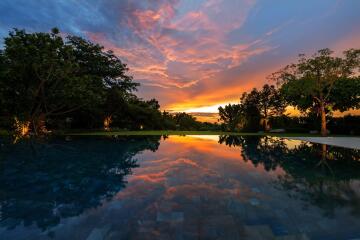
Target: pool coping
(346, 142)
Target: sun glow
(202, 109)
(206, 109)
(210, 113)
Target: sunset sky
(194, 55)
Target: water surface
(177, 187)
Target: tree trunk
(323, 120)
(323, 152)
(266, 125)
(38, 124)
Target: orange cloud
(180, 52)
(188, 60)
(167, 173)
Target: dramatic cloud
(196, 54)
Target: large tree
(322, 82)
(268, 102)
(43, 76)
(231, 115)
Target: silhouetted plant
(43, 182)
(320, 174)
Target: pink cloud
(184, 52)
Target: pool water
(178, 187)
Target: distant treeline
(348, 124)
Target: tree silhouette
(42, 183)
(315, 173)
(322, 83)
(267, 102)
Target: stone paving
(346, 142)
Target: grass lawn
(3, 132)
(171, 132)
(166, 132)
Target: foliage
(185, 121)
(59, 83)
(322, 83)
(315, 173)
(232, 116)
(347, 124)
(44, 76)
(267, 102)
(67, 177)
(51, 82)
(254, 106)
(346, 94)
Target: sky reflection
(184, 187)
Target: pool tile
(258, 232)
(254, 201)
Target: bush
(345, 125)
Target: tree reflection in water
(41, 183)
(325, 176)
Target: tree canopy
(231, 115)
(44, 75)
(254, 106)
(48, 80)
(322, 82)
(267, 102)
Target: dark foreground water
(195, 187)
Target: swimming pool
(178, 187)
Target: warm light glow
(107, 122)
(195, 56)
(207, 109)
(292, 111)
(206, 117)
(178, 157)
(22, 128)
(206, 137)
(210, 113)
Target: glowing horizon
(195, 56)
